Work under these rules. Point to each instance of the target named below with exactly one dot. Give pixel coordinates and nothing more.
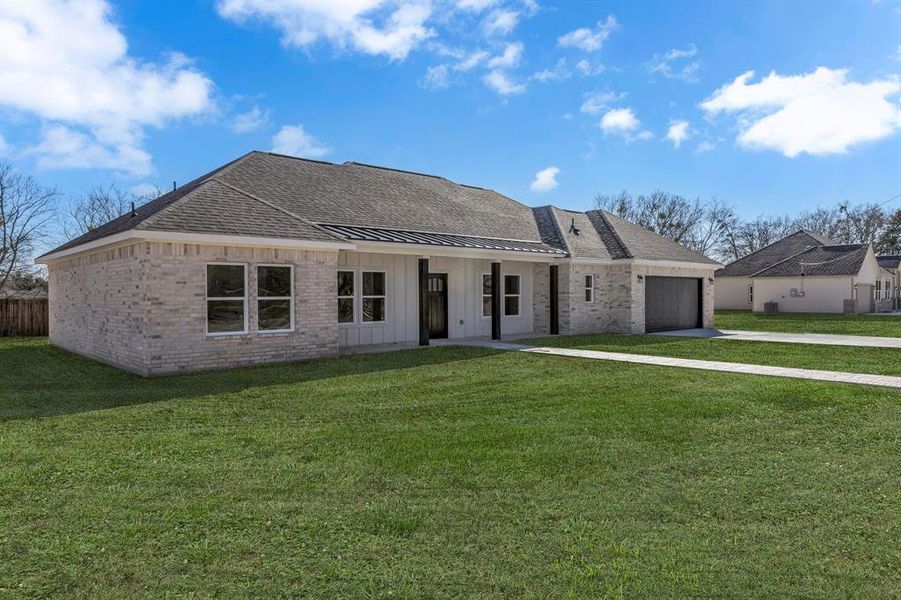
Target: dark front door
(672, 303)
(437, 305)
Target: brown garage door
(672, 303)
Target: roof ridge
(353, 162)
(280, 155)
(786, 259)
(603, 215)
(558, 230)
(773, 243)
(274, 206)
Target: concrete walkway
(687, 363)
(862, 341)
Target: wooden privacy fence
(24, 316)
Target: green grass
(876, 361)
(443, 472)
(878, 325)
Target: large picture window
(486, 295)
(374, 288)
(226, 299)
(275, 298)
(511, 295)
(345, 296)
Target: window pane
(373, 309)
(345, 283)
(511, 305)
(587, 294)
(273, 281)
(511, 284)
(589, 281)
(224, 316)
(486, 285)
(224, 281)
(486, 306)
(345, 310)
(373, 284)
(274, 314)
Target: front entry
(437, 298)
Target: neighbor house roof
(888, 261)
(773, 253)
(269, 195)
(820, 261)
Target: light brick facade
(142, 307)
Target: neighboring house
(273, 258)
(805, 272)
(892, 264)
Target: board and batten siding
(464, 297)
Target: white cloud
(678, 132)
(509, 59)
(501, 83)
(560, 72)
(475, 5)
(623, 122)
(252, 120)
(471, 60)
(545, 180)
(663, 64)
(501, 21)
(817, 113)
(587, 39)
(596, 102)
(68, 65)
(586, 69)
(295, 141)
(367, 26)
(705, 146)
(435, 78)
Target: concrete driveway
(862, 341)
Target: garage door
(672, 303)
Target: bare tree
(26, 212)
(100, 206)
(889, 241)
(743, 238)
(860, 224)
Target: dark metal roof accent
(399, 236)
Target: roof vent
(133, 213)
(573, 229)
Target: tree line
(32, 214)
(713, 228)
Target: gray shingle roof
(888, 261)
(772, 254)
(820, 261)
(271, 195)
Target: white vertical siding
(464, 298)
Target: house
(892, 264)
(273, 258)
(805, 272)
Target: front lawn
(877, 325)
(853, 359)
(443, 472)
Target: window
(878, 291)
(345, 296)
(373, 296)
(589, 288)
(275, 298)
(226, 299)
(750, 294)
(486, 295)
(511, 295)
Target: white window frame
(289, 298)
(208, 299)
(353, 298)
(589, 287)
(363, 296)
(518, 295)
(483, 295)
(750, 293)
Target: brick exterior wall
(541, 299)
(143, 308)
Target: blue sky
(545, 102)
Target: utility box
(771, 308)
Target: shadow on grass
(39, 380)
(613, 342)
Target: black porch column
(496, 284)
(555, 321)
(423, 301)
